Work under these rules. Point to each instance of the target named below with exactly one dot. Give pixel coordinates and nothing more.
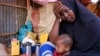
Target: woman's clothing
(85, 31)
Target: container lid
(28, 44)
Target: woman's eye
(66, 11)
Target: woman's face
(67, 14)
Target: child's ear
(67, 48)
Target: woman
(40, 12)
(84, 28)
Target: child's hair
(66, 39)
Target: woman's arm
(28, 4)
(55, 31)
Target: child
(63, 45)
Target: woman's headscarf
(85, 31)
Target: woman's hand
(63, 12)
(57, 8)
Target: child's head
(63, 43)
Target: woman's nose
(65, 14)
